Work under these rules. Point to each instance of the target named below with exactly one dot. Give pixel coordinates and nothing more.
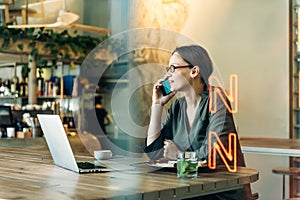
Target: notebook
(60, 147)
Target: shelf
(4, 64)
(112, 80)
(10, 64)
(41, 97)
(10, 97)
(58, 97)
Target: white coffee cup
(10, 132)
(102, 154)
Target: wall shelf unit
(294, 93)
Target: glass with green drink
(187, 165)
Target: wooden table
(271, 146)
(29, 173)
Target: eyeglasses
(172, 67)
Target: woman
(189, 119)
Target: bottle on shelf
(6, 85)
(1, 87)
(46, 88)
(40, 84)
(17, 86)
(55, 89)
(24, 87)
(50, 89)
(13, 85)
(56, 85)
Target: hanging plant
(25, 71)
(45, 44)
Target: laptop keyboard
(87, 165)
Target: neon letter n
(218, 146)
(232, 96)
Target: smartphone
(166, 87)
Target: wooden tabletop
(29, 173)
(271, 146)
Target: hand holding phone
(166, 87)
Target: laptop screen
(57, 141)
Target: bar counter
(271, 146)
(29, 173)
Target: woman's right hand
(157, 96)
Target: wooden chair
(290, 171)
(15, 12)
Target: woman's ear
(195, 71)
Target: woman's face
(180, 79)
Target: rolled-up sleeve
(155, 149)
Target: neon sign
(218, 147)
(230, 154)
(232, 96)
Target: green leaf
(6, 42)
(32, 44)
(41, 62)
(25, 70)
(34, 52)
(21, 47)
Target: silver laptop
(60, 147)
